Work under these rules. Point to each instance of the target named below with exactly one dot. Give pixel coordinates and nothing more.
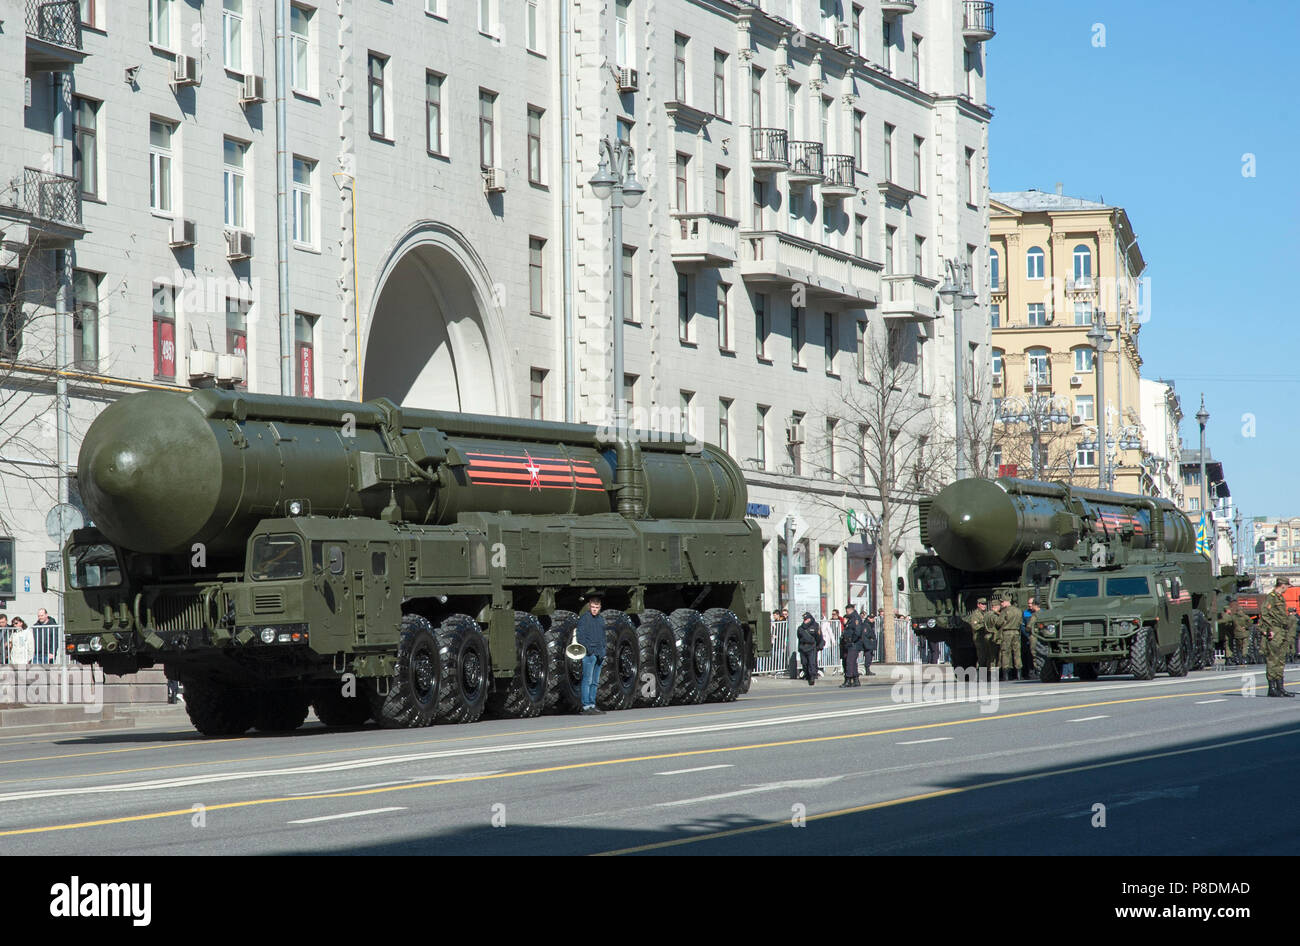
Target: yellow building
(1059, 265)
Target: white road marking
(1087, 719)
(1203, 702)
(400, 781)
(702, 768)
(350, 814)
(755, 790)
(918, 742)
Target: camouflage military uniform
(1240, 632)
(1009, 638)
(980, 628)
(1276, 625)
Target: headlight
(96, 644)
(1123, 627)
(268, 635)
(1047, 630)
(931, 622)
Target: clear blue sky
(1157, 121)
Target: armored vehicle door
(376, 606)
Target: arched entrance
(435, 335)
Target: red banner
(164, 349)
(305, 374)
(1009, 469)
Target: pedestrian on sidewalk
(850, 645)
(22, 643)
(810, 644)
(870, 640)
(591, 635)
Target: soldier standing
(1275, 623)
(1240, 631)
(979, 621)
(1009, 639)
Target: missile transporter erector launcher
(1117, 575)
(408, 566)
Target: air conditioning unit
(494, 181)
(230, 369)
(254, 92)
(997, 380)
(1076, 380)
(183, 233)
(843, 35)
(1076, 419)
(203, 366)
(185, 71)
(627, 80)
(239, 245)
(794, 433)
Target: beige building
(1057, 265)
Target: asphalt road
(1177, 766)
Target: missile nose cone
(116, 469)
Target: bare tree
(980, 422)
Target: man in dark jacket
(870, 641)
(810, 642)
(850, 645)
(591, 635)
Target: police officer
(850, 645)
(1276, 625)
(870, 641)
(979, 620)
(1235, 618)
(810, 642)
(1009, 639)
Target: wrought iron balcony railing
(57, 22)
(44, 196)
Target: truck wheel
(1204, 647)
(1140, 658)
(620, 674)
(1086, 671)
(217, 710)
(338, 711)
(526, 693)
(695, 656)
(728, 654)
(280, 710)
(464, 670)
(749, 670)
(412, 698)
(1048, 668)
(1107, 668)
(1176, 663)
(567, 695)
(962, 657)
(658, 658)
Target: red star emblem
(533, 471)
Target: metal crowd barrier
(47, 644)
(908, 648)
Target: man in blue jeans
(591, 635)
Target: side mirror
(902, 586)
(45, 582)
(1174, 588)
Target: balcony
(771, 153)
(53, 34)
(841, 176)
(977, 21)
(1038, 378)
(805, 163)
(897, 7)
(909, 298)
(829, 276)
(1081, 285)
(50, 204)
(704, 240)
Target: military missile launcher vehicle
(1086, 555)
(409, 566)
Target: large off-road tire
(338, 711)
(1107, 668)
(567, 674)
(1141, 656)
(1047, 668)
(1177, 662)
(464, 670)
(620, 674)
(1086, 671)
(695, 652)
(411, 700)
(280, 710)
(963, 656)
(217, 710)
(729, 657)
(527, 693)
(658, 659)
(1202, 642)
(750, 660)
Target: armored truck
(372, 561)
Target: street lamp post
(956, 290)
(1202, 417)
(1038, 412)
(1100, 343)
(1240, 557)
(615, 179)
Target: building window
(916, 60)
(1038, 366)
(537, 393)
(830, 447)
(304, 173)
(922, 379)
(235, 155)
(756, 98)
(796, 445)
(623, 34)
(796, 335)
(237, 332)
(760, 437)
(684, 307)
(629, 395)
(1084, 456)
(724, 424)
(1034, 263)
(12, 316)
(1037, 314)
(85, 320)
(164, 332)
(792, 110)
(487, 19)
(995, 315)
(970, 266)
(719, 83)
(995, 362)
(855, 29)
(862, 453)
(683, 181)
(532, 25)
(995, 274)
(970, 177)
(534, 145)
(160, 23)
(917, 145)
(859, 146)
(687, 427)
(433, 112)
(720, 190)
(305, 338)
(679, 66)
(88, 12)
(623, 130)
(629, 285)
(160, 165)
(966, 63)
(85, 145)
(536, 285)
(377, 66)
(760, 326)
(232, 34)
(300, 61)
(1082, 265)
(724, 318)
(436, 8)
(1083, 406)
(889, 152)
(891, 239)
(487, 108)
(1083, 313)
(1083, 359)
(918, 257)
(832, 349)
(860, 351)
(859, 236)
(886, 44)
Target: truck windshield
(1136, 585)
(1076, 588)
(276, 556)
(928, 578)
(94, 566)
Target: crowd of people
(859, 636)
(23, 644)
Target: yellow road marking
(687, 753)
